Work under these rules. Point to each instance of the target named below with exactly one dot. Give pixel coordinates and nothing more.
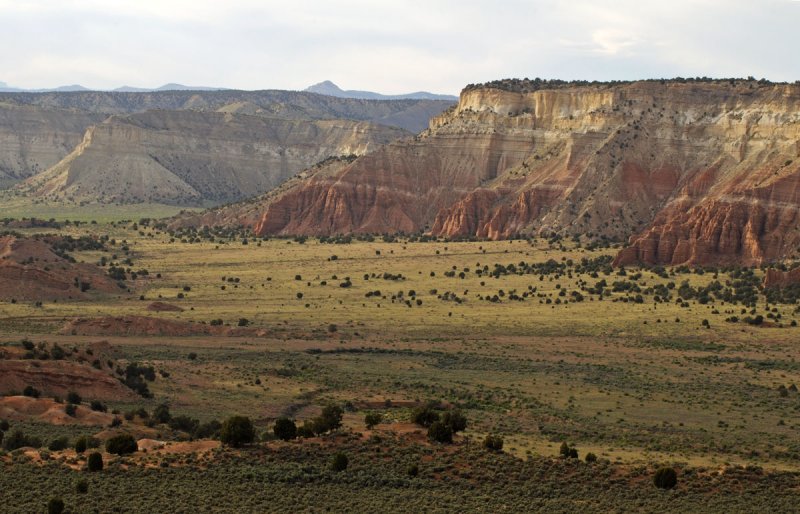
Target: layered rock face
(191, 158)
(33, 139)
(702, 172)
(411, 115)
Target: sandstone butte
(687, 172)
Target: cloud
(394, 47)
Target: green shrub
(31, 392)
(440, 433)
(330, 419)
(82, 487)
(161, 413)
(372, 419)
(237, 431)
(18, 439)
(4, 426)
(73, 397)
(493, 442)
(56, 445)
(306, 430)
(121, 444)
(285, 429)
(425, 416)
(568, 452)
(70, 410)
(591, 457)
(339, 462)
(184, 424)
(412, 470)
(94, 462)
(455, 420)
(98, 406)
(208, 430)
(55, 506)
(81, 445)
(665, 478)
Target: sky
(390, 47)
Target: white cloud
(438, 45)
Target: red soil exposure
(148, 326)
(23, 408)
(775, 278)
(30, 270)
(164, 307)
(57, 378)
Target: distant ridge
(5, 88)
(166, 87)
(330, 89)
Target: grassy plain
(639, 384)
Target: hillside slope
(697, 172)
(194, 158)
(33, 139)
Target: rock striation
(33, 139)
(690, 171)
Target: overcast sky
(390, 47)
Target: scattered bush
(94, 462)
(591, 457)
(81, 445)
(306, 430)
(493, 443)
(73, 397)
(237, 431)
(285, 429)
(31, 392)
(665, 478)
(161, 413)
(55, 506)
(372, 419)
(122, 444)
(56, 445)
(98, 406)
(330, 419)
(425, 416)
(339, 462)
(455, 420)
(439, 432)
(82, 487)
(18, 439)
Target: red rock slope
(699, 172)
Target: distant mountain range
(323, 88)
(5, 88)
(329, 88)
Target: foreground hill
(188, 157)
(38, 269)
(702, 171)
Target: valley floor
(650, 368)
